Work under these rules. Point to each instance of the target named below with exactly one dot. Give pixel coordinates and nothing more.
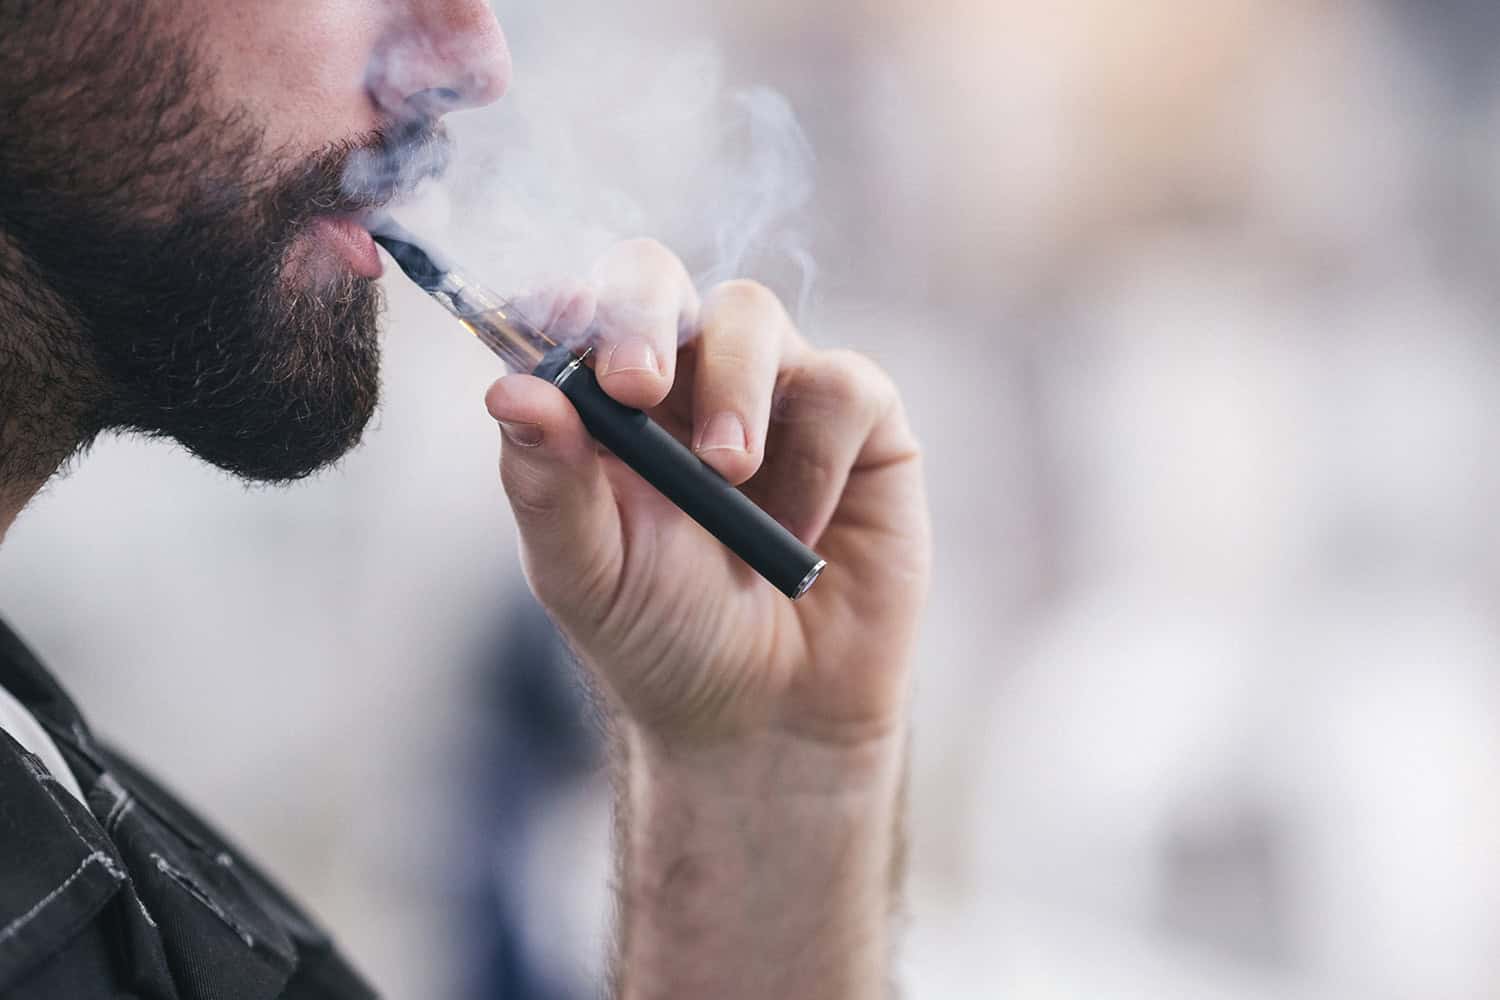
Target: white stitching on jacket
(10, 929)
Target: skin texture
(761, 743)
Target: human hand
(687, 641)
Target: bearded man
(179, 257)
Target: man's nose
(442, 55)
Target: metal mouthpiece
(493, 319)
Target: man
(179, 257)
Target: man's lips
(352, 241)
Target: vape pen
(659, 458)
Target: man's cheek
(296, 67)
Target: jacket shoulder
(57, 870)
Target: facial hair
(168, 235)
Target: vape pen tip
(412, 259)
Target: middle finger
(644, 297)
(745, 334)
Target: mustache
(362, 175)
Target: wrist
(769, 845)
(773, 766)
(686, 713)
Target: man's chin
(272, 392)
(283, 454)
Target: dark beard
(170, 236)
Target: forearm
(762, 870)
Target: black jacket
(134, 896)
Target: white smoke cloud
(608, 137)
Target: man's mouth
(373, 177)
(346, 237)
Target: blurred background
(1193, 303)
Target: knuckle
(648, 254)
(576, 594)
(529, 501)
(743, 296)
(533, 500)
(854, 378)
(721, 358)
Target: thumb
(563, 505)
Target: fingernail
(522, 435)
(633, 355)
(725, 432)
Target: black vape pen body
(679, 475)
